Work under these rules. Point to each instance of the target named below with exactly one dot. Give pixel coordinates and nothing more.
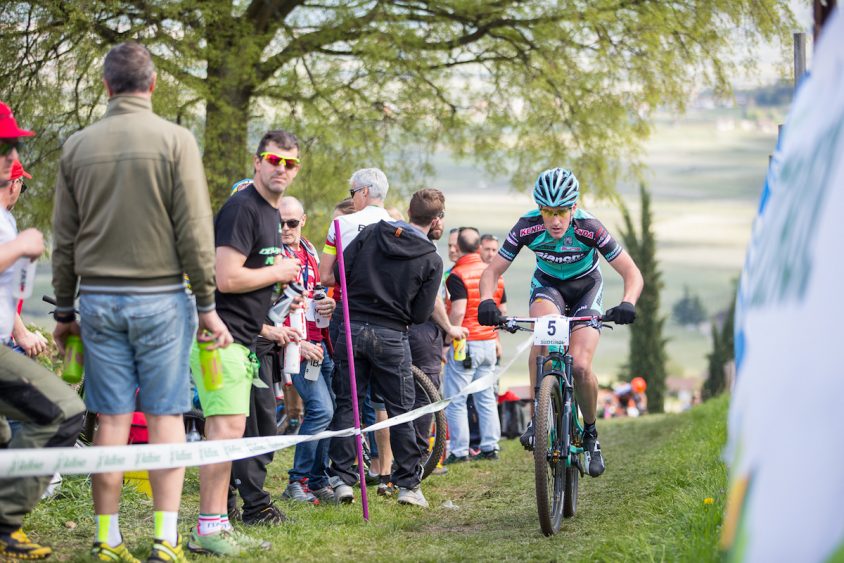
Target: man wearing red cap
(31, 343)
(49, 411)
(17, 176)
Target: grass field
(661, 498)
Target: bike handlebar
(511, 324)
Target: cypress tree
(722, 353)
(647, 357)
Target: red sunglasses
(278, 160)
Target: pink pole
(351, 359)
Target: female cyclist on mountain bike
(567, 280)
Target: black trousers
(426, 348)
(382, 360)
(249, 474)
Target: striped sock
(224, 522)
(208, 524)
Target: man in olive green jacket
(131, 216)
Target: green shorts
(233, 396)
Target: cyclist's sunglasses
(548, 212)
(290, 223)
(7, 145)
(278, 160)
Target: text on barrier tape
(101, 459)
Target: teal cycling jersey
(572, 256)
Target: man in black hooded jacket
(393, 274)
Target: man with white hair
(368, 190)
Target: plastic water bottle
(279, 311)
(292, 350)
(212, 368)
(24, 277)
(313, 370)
(319, 294)
(193, 434)
(74, 359)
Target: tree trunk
(226, 155)
(231, 81)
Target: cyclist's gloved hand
(488, 313)
(622, 314)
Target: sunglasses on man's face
(277, 160)
(8, 145)
(290, 223)
(549, 212)
(353, 191)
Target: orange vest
(469, 269)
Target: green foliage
(647, 355)
(723, 352)
(530, 83)
(689, 309)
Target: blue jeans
(456, 378)
(311, 458)
(138, 342)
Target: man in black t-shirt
(248, 241)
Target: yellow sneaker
(16, 546)
(104, 552)
(163, 550)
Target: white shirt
(351, 225)
(8, 303)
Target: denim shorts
(137, 342)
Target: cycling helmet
(556, 187)
(638, 384)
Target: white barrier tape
(46, 461)
(101, 459)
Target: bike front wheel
(549, 460)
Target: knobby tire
(436, 452)
(549, 472)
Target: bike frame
(561, 368)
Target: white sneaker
(412, 496)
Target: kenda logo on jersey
(531, 230)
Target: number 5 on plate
(552, 330)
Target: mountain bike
(558, 428)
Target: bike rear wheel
(549, 460)
(438, 433)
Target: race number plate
(552, 330)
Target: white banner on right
(786, 429)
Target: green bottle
(212, 368)
(74, 359)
